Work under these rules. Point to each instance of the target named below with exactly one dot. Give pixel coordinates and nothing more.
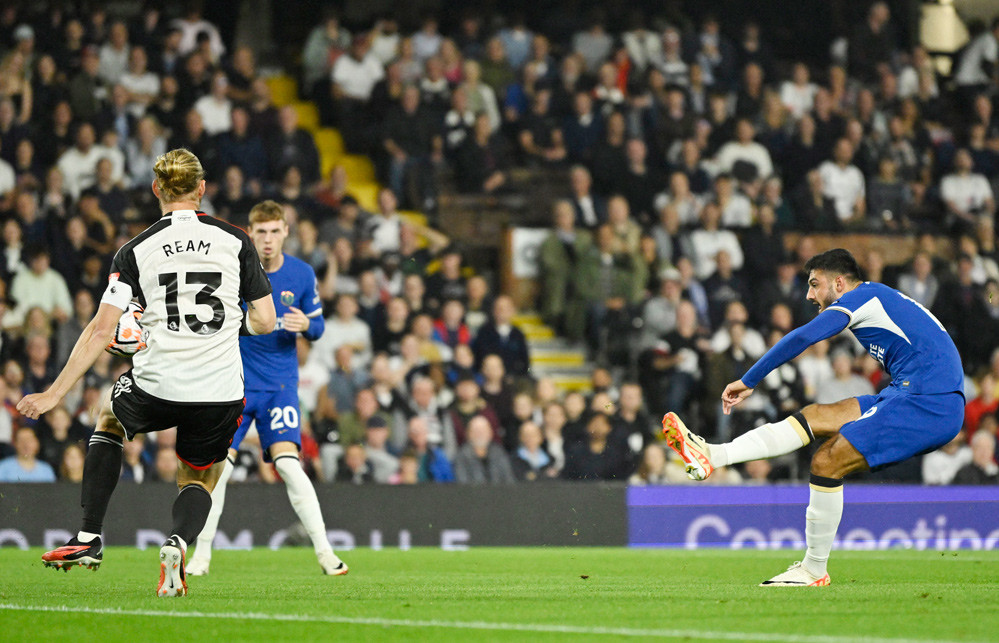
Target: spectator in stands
(844, 382)
(58, 430)
(582, 130)
(652, 469)
(501, 337)
(685, 204)
(737, 211)
(961, 309)
(25, 466)
(234, 200)
(482, 164)
(325, 44)
(354, 466)
(982, 469)
(354, 76)
(977, 65)
(872, 44)
(591, 209)
(798, 93)
(459, 123)
(215, 108)
(531, 462)
(640, 182)
(599, 457)
(540, 136)
(632, 423)
(723, 287)
(134, 467)
(746, 151)
(626, 232)
(433, 463)
(292, 145)
(608, 284)
(844, 184)
(966, 194)
(558, 258)
(469, 403)
(480, 460)
(450, 329)
(919, 282)
(481, 97)
(940, 466)
(79, 163)
(344, 328)
(383, 464)
(39, 286)
(985, 403)
(593, 44)
(706, 241)
(410, 140)
(142, 151)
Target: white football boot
(173, 578)
(796, 576)
(331, 564)
(198, 565)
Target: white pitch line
(478, 625)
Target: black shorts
(204, 431)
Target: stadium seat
(284, 90)
(359, 168)
(308, 115)
(366, 193)
(329, 142)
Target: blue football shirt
(910, 343)
(270, 361)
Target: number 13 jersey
(189, 272)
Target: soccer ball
(129, 336)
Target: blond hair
(178, 175)
(267, 211)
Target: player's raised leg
(304, 501)
(766, 441)
(101, 470)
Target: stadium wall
(556, 514)
(446, 516)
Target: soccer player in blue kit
(270, 369)
(921, 410)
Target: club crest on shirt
(287, 297)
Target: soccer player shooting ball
(921, 410)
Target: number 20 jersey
(189, 272)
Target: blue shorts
(895, 426)
(276, 416)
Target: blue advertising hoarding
(773, 517)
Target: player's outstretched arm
(734, 393)
(261, 316)
(824, 326)
(92, 341)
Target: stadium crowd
(687, 154)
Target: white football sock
(85, 536)
(825, 508)
(767, 441)
(203, 551)
(303, 499)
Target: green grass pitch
(544, 594)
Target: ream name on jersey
(180, 246)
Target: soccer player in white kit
(190, 272)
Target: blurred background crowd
(690, 165)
